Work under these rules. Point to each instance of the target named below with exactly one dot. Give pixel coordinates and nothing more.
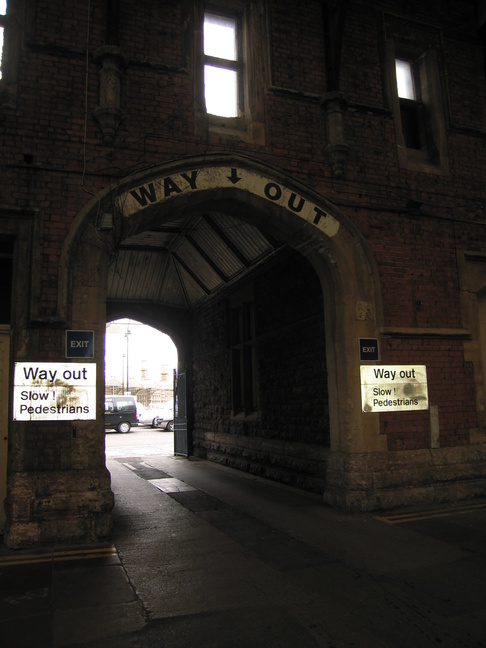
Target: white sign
(52, 391)
(394, 388)
(168, 187)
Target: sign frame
(365, 352)
(79, 344)
(394, 388)
(54, 391)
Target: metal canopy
(183, 262)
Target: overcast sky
(144, 344)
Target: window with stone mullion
(3, 21)
(222, 64)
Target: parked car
(120, 413)
(141, 413)
(150, 416)
(165, 420)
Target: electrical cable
(86, 99)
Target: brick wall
(450, 388)
(288, 437)
(414, 223)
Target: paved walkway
(207, 557)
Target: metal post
(123, 374)
(126, 335)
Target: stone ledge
(367, 482)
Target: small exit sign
(79, 344)
(368, 349)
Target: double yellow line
(57, 556)
(402, 518)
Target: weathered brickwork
(451, 388)
(321, 117)
(291, 53)
(416, 259)
(289, 438)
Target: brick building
(312, 237)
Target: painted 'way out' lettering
(293, 206)
(295, 203)
(147, 194)
(191, 180)
(169, 187)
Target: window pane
(220, 91)
(410, 117)
(404, 79)
(1, 50)
(220, 37)
(3, 11)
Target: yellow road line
(401, 518)
(57, 556)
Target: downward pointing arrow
(234, 176)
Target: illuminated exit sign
(368, 349)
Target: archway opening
(140, 362)
(248, 310)
(180, 247)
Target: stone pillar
(336, 150)
(108, 114)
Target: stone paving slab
(64, 597)
(209, 558)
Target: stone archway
(279, 204)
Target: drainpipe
(337, 151)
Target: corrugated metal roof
(183, 262)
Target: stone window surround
(3, 24)
(419, 44)
(249, 125)
(236, 65)
(11, 51)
